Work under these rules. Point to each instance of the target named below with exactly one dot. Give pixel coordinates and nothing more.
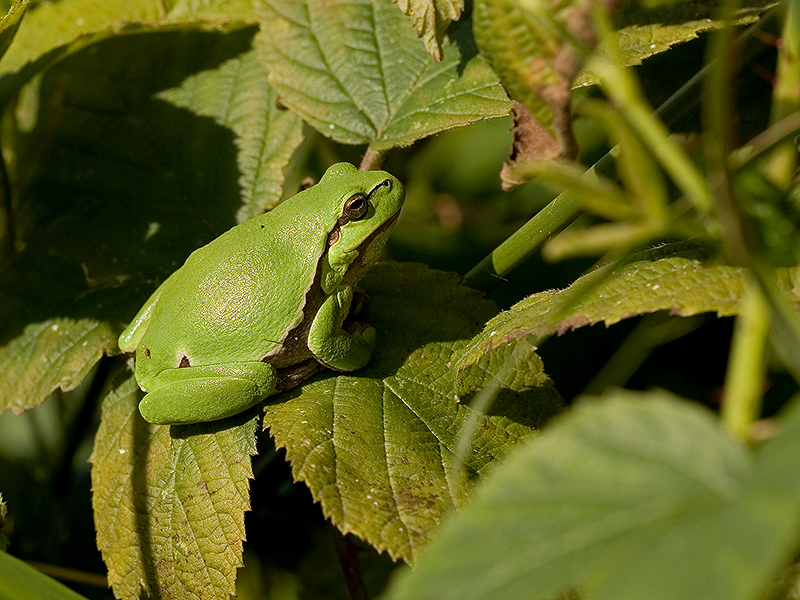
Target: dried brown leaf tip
(532, 142)
(537, 63)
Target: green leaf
(525, 44)
(681, 286)
(215, 10)
(614, 498)
(431, 18)
(134, 158)
(68, 25)
(235, 96)
(9, 24)
(357, 72)
(644, 33)
(379, 449)
(49, 25)
(55, 353)
(20, 581)
(169, 503)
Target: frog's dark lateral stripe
(294, 344)
(345, 218)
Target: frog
(267, 304)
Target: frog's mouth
(369, 250)
(390, 221)
(379, 231)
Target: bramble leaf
(430, 18)
(169, 502)
(391, 450)
(681, 286)
(612, 500)
(357, 72)
(127, 166)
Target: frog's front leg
(206, 393)
(333, 346)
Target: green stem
(717, 120)
(625, 92)
(744, 379)
(782, 163)
(766, 141)
(525, 242)
(561, 211)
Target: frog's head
(368, 204)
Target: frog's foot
(333, 346)
(207, 393)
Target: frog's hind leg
(207, 393)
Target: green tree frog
(264, 305)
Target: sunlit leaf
(644, 33)
(9, 24)
(56, 353)
(68, 25)
(430, 19)
(211, 9)
(169, 502)
(49, 25)
(379, 449)
(357, 72)
(681, 286)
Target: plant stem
(624, 90)
(371, 160)
(523, 243)
(351, 569)
(561, 211)
(782, 163)
(744, 379)
(717, 124)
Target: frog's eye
(356, 207)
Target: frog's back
(236, 298)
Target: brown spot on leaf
(575, 322)
(202, 487)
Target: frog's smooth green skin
(247, 313)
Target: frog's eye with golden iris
(356, 207)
